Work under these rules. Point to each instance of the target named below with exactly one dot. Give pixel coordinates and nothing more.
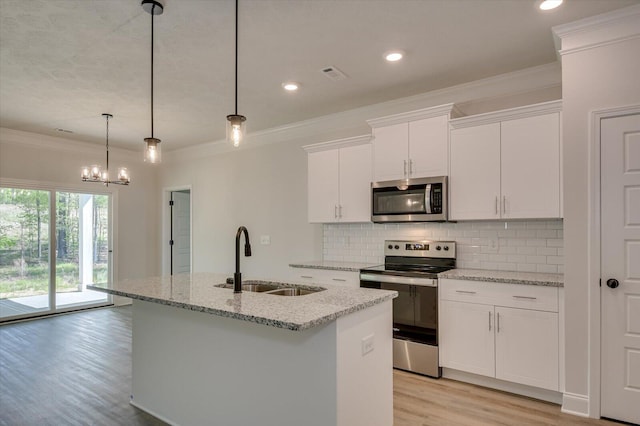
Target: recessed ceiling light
(290, 86)
(394, 56)
(550, 4)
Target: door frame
(80, 188)
(594, 249)
(166, 226)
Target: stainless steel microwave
(409, 200)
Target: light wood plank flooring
(75, 369)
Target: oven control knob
(390, 246)
(397, 247)
(446, 248)
(438, 248)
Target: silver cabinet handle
(339, 279)
(335, 211)
(405, 168)
(465, 292)
(497, 206)
(498, 325)
(410, 167)
(489, 320)
(525, 297)
(504, 204)
(340, 210)
(306, 276)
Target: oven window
(399, 202)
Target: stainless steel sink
(291, 291)
(256, 288)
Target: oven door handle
(396, 279)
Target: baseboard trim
(573, 403)
(516, 388)
(157, 416)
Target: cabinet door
(355, 184)
(390, 152)
(466, 337)
(530, 149)
(475, 172)
(527, 347)
(428, 147)
(323, 186)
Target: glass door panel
(82, 248)
(24, 252)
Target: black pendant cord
(152, 13)
(236, 72)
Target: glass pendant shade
(152, 152)
(123, 174)
(236, 129)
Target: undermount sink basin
(291, 291)
(256, 288)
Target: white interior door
(620, 256)
(181, 232)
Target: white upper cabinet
(339, 181)
(411, 145)
(506, 165)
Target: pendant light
(95, 172)
(152, 153)
(235, 122)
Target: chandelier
(95, 173)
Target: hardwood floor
(75, 369)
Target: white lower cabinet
(325, 276)
(506, 331)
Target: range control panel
(446, 249)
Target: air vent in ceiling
(58, 129)
(333, 73)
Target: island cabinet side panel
(194, 368)
(365, 367)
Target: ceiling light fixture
(550, 4)
(236, 123)
(290, 86)
(394, 56)
(96, 174)
(152, 153)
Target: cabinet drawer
(539, 298)
(325, 276)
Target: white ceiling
(64, 62)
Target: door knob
(612, 283)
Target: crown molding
(507, 114)
(447, 109)
(36, 140)
(600, 30)
(339, 143)
(354, 121)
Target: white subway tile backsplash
(528, 246)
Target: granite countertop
(198, 292)
(332, 265)
(509, 277)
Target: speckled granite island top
(198, 292)
(332, 265)
(508, 277)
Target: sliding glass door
(52, 244)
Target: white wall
(600, 69)
(264, 189)
(36, 158)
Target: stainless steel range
(411, 268)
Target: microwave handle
(427, 198)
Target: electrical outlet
(367, 344)
(493, 245)
(265, 240)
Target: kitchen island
(204, 355)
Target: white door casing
(181, 229)
(620, 260)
